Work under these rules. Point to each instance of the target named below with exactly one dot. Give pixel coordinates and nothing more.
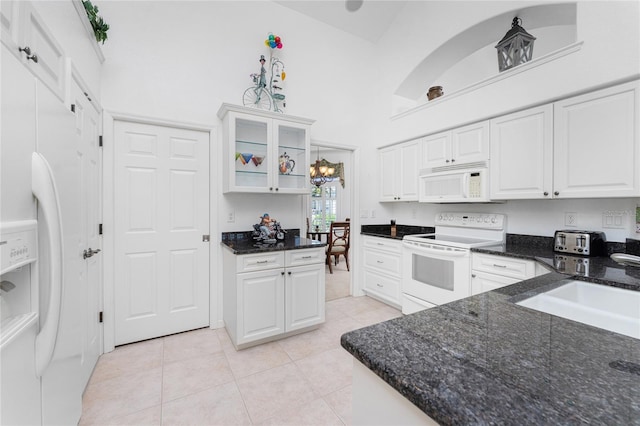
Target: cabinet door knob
(453, 160)
(556, 193)
(277, 189)
(282, 273)
(545, 193)
(271, 188)
(473, 275)
(27, 50)
(289, 272)
(446, 161)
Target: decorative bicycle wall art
(267, 91)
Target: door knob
(89, 252)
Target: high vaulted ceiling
(370, 21)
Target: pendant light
(320, 174)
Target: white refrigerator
(41, 323)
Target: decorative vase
(435, 92)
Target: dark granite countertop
(243, 243)
(384, 231)
(486, 360)
(598, 269)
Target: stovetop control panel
(472, 220)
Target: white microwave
(454, 186)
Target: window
(324, 205)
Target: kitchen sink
(610, 308)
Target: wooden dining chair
(338, 243)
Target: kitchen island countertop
(486, 360)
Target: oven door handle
(443, 252)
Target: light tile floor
(198, 378)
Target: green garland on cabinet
(100, 27)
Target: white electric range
(437, 267)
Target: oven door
(434, 273)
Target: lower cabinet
(382, 269)
(266, 297)
(489, 272)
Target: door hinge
(100, 316)
(205, 238)
(100, 229)
(100, 140)
(73, 107)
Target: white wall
(181, 60)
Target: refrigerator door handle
(44, 189)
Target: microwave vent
(453, 167)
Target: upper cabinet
(264, 151)
(581, 147)
(26, 35)
(596, 144)
(462, 145)
(399, 172)
(522, 155)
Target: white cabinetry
(273, 294)
(399, 172)
(467, 144)
(264, 151)
(489, 272)
(581, 147)
(26, 36)
(382, 269)
(522, 155)
(596, 144)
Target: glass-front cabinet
(264, 151)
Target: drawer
(502, 265)
(482, 281)
(305, 256)
(258, 261)
(389, 263)
(386, 244)
(387, 287)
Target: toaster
(584, 243)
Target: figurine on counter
(268, 230)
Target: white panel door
(304, 296)
(436, 150)
(260, 305)
(470, 143)
(596, 152)
(522, 155)
(408, 187)
(88, 132)
(388, 162)
(161, 204)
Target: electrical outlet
(614, 219)
(231, 217)
(571, 219)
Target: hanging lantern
(516, 47)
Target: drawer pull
(379, 261)
(499, 266)
(379, 285)
(262, 261)
(307, 257)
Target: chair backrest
(339, 234)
